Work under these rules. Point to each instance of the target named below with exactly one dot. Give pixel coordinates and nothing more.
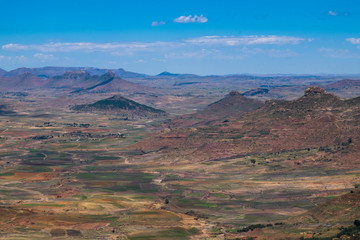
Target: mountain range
(71, 82)
(263, 87)
(47, 72)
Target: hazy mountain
(2, 72)
(73, 80)
(56, 71)
(22, 81)
(43, 72)
(109, 82)
(126, 74)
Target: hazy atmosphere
(201, 37)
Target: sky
(200, 37)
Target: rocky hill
(233, 105)
(318, 119)
(121, 106)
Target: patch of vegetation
(6, 174)
(81, 197)
(254, 226)
(219, 195)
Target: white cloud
(43, 57)
(332, 13)
(157, 23)
(191, 19)
(355, 41)
(245, 40)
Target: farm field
(81, 175)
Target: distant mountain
(2, 72)
(22, 81)
(71, 82)
(43, 72)
(48, 72)
(177, 75)
(83, 82)
(72, 79)
(233, 105)
(167, 74)
(122, 106)
(108, 82)
(126, 74)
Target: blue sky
(202, 37)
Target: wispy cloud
(157, 23)
(246, 40)
(338, 53)
(193, 47)
(198, 54)
(84, 46)
(332, 13)
(191, 19)
(19, 58)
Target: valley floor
(66, 174)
